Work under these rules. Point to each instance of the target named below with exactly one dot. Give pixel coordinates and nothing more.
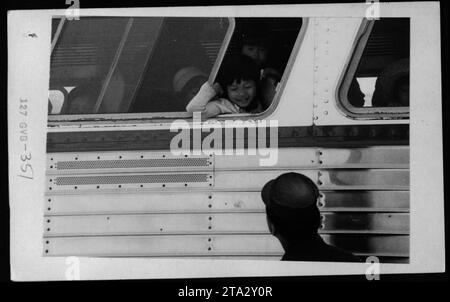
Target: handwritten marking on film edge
(26, 169)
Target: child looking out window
(236, 90)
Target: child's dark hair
(239, 68)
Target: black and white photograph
(222, 141)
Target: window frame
(281, 85)
(348, 74)
(167, 117)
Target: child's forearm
(201, 99)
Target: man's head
(291, 206)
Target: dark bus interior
(386, 58)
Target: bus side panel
(152, 203)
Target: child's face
(256, 52)
(242, 93)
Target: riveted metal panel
(204, 245)
(212, 201)
(372, 245)
(375, 157)
(370, 179)
(377, 201)
(153, 202)
(387, 223)
(376, 223)
(287, 158)
(362, 201)
(336, 179)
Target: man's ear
(271, 226)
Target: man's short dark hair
(290, 201)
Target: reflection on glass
(382, 76)
(120, 65)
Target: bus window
(139, 65)
(377, 79)
(269, 42)
(127, 65)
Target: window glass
(105, 65)
(124, 65)
(381, 78)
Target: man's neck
(290, 243)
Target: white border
(28, 75)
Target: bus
(118, 186)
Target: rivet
(325, 112)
